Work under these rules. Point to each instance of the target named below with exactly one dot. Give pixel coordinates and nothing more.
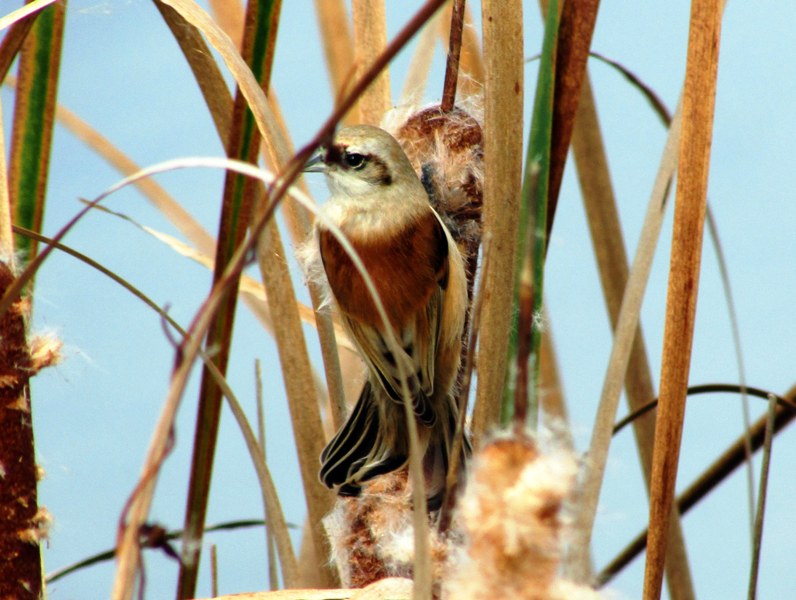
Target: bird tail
(358, 451)
(366, 447)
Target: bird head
(363, 160)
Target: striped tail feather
(357, 453)
(348, 459)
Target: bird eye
(354, 160)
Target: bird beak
(316, 163)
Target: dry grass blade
(370, 39)
(12, 42)
(34, 110)
(624, 334)
(503, 52)
(649, 94)
(689, 216)
(23, 12)
(606, 233)
(419, 68)
(257, 102)
(276, 517)
(206, 72)
(572, 51)
(735, 327)
(229, 15)
(270, 550)
(303, 404)
(337, 41)
(6, 236)
(761, 505)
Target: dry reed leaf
(335, 28)
(6, 237)
(624, 334)
(551, 391)
(230, 16)
(204, 68)
(370, 39)
(11, 44)
(420, 65)
(276, 147)
(503, 116)
(471, 62)
(572, 51)
(22, 12)
(609, 249)
(689, 217)
(297, 376)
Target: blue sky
(94, 413)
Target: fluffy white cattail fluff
(511, 515)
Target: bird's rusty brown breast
(406, 269)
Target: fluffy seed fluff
(511, 512)
(372, 535)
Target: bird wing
(418, 335)
(410, 270)
(384, 367)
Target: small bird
(383, 209)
